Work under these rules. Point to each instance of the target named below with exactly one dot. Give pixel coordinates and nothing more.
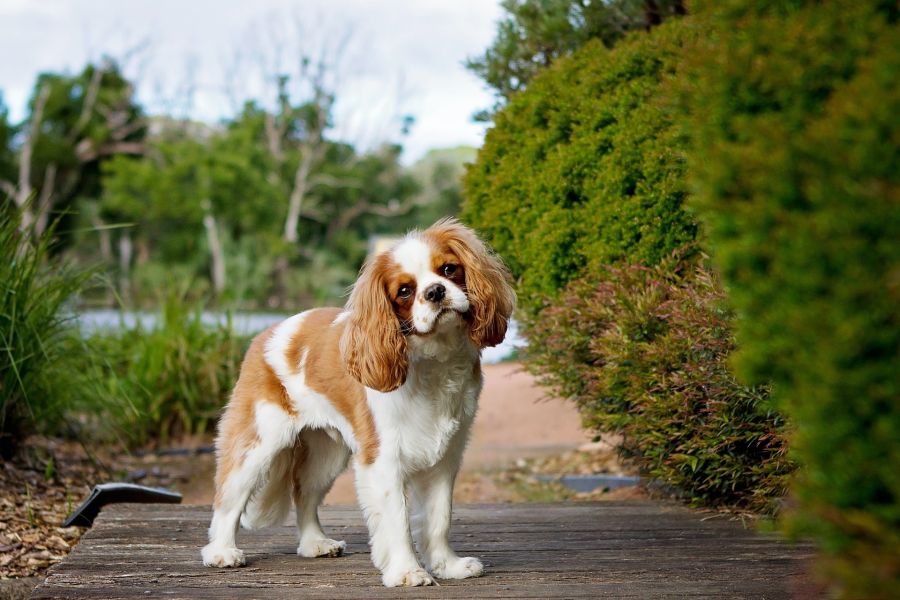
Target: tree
(74, 124)
(534, 33)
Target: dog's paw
(222, 556)
(321, 547)
(412, 578)
(458, 568)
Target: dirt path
(514, 421)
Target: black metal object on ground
(113, 493)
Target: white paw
(222, 556)
(458, 568)
(321, 547)
(413, 578)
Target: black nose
(435, 292)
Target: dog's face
(442, 276)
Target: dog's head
(442, 277)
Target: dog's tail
(271, 502)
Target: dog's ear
(488, 282)
(372, 346)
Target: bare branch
(331, 181)
(90, 100)
(86, 150)
(45, 200)
(8, 188)
(37, 116)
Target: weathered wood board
(575, 550)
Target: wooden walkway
(577, 550)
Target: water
(251, 323)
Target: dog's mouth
(443, 314)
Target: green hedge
(585, 168)
(644, 353)
(796, 120)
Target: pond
(250, 323)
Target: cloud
(406, 56)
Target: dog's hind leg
(249, 466)
(318, 460)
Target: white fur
(414, 257)
(422, 428)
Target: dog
(392, 379)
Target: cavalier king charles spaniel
(393, 379)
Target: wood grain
(576, 550)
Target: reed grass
(168, 379)
(39, 343)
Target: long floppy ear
(487, 282)
(372, 345)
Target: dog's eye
(448, 270)
(405, 291)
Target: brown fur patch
(441, 256)
(373, 345)
(237, 428)
(487, 281)
(325, 373)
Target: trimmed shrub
(796, 131)
(644, 353)
(585, 168)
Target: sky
(202, 58)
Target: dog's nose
(435, 292)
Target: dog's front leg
(380, 488)
(433, 498)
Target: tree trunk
(125, 252)
(295, 205)
(216, 255)
(45, 200)
(25, 191)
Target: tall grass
(39, 343)
(168, 379)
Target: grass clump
(41, 352)
(171, 378)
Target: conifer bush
(796, 125)
(581, 186)
(585, 167)
(644, 353)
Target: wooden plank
(575, 550)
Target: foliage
(229, 176)
(249, 210)
(585, 168)
(169, 379)
(795, 123)
(7, 157)
(39, 344)
(644, 353)
(534, 33)
(75, 123)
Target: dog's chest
(433, 410)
